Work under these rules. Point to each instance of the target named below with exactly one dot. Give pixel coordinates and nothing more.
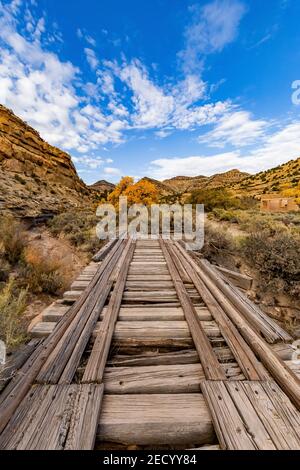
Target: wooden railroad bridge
(152, 347)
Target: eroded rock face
(35, 177)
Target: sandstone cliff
(35, 177)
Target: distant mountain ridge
(102, 186)
(187, 184)
(37, 178)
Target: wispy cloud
(91, 58)
(214, 25)
(48, 92)
(81, 34)
(91, 162)
(236, 128)
(172, 107)
(112, 171)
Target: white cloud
(112, 171)
(277, 148)
(235, 128)
(52, 96)
(90, 40)
(81, 34)
(189, 90)
(90, 162)
(91, 58)
(214, 26)
(47, 92)
(196, 116)
(164, 168)
(162, 133)
(172, 106)
(152, 105)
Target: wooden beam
(55, 417)
(243, 354)
(97, 360)
(156, 420)
(209, 361)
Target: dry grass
(12, 239)
(12, 307)
(79, 228)
(43, 273)
(253, 221)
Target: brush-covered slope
(271, 181)
(186, 184)
(162, 188)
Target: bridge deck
(151, 348)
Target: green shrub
(78, 227)
(277, 259)
(226, 215)
(220, 199)
(216, 241)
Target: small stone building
(277, 203)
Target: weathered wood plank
(160, 329)
(250, 415)
(151, 358)
(68, 349)
(239, 280)
(15, 362)
(55, 417)
(159, 314)
(265, 325)
(279, 416)
(104, 250)
(229, 426)
(249, 364)
(185, 378)
(97, 360)
(207, 356)
(177, 419)
(275, 366)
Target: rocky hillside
(186, 184)
(102, 186)
(35, 177)
(183, 184)
(270, 181)
(162, 188)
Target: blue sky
(158, 88)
